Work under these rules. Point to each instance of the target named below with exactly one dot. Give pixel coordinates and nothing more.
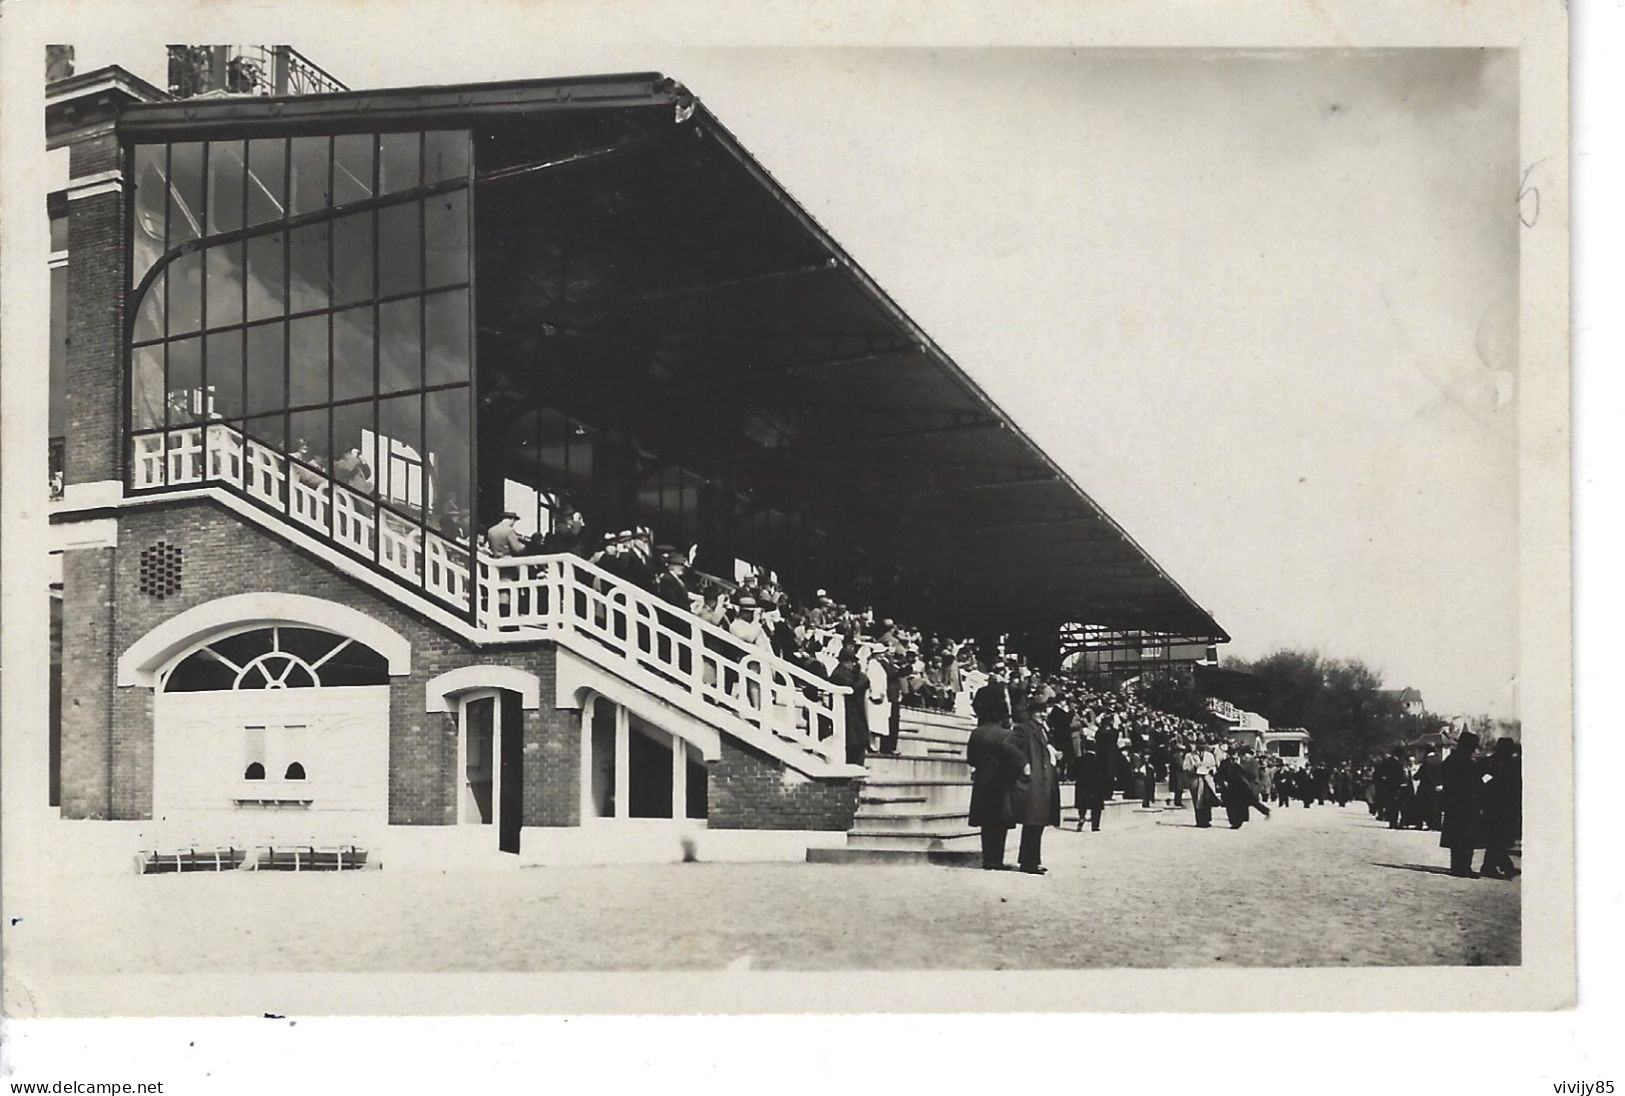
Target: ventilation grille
(161, 570)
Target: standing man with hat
(1035, 801)
(995, 764)
(504, 538)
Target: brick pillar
(95, 373)
(87, 685)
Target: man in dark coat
(1090, 789)
(1035, 801)
(995, 765)
(1427, 790)
(1502, 809)
(848, 673)
(1459, 799)
(1176, 771)
(1234, 791)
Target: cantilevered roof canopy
(632, 255)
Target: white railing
(565, 593)
(219, 453)
(709, 668)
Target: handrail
(710, 667)
(565, 593)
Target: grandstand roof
(700, 287)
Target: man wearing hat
(847, 673)
(1035, 800)
(670, 588)
(669, 585)
(995, 765)
(504, 538)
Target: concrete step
(922, 823)
(934, 722)
(928, 746)
(917, 768)
(902, 805)
(929, 795)
(952, 858)
(956, 837)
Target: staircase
(657, 649)
(913, 807)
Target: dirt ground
(1325, 886)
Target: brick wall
(107, 731)
(94, 373)
(751, 791)
(87, 683)
(98, 153)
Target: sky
(1262, 306)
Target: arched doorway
(490, 770)
(272, 732)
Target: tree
(1340, 702)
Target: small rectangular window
(267, 295)
(398, 166)
(352, 167)
(267, 180)
(226, 167)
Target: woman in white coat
(876, 707)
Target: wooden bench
(218, 858)
(310, 857)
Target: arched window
(295, 771)
(277, 658)
(255, 771)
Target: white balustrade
(664, 644)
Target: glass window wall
(303, 334)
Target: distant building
(1290, 744)
(1410, 701)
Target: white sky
(1261, 306)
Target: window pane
(352, 167)
(147, 388)
(446, 236)
(185, 402)
(352, 441)
(225, 186)
(307, 361)
(398, 166)
(267, 180)
(266, 292)
(270, 429)
(400, 365)
(399, 253)
(185, 193)
(307, 431)
(150, 205)
(445, 155)
(59, 234)
(446, 325)
(352, 259)
(400, 456)
(224, 268)
(265, 369)
(307, 268)
(446, 437)
(224, 366)
(312, 189)
(352, 353)
(149, 312)
(186, 293)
